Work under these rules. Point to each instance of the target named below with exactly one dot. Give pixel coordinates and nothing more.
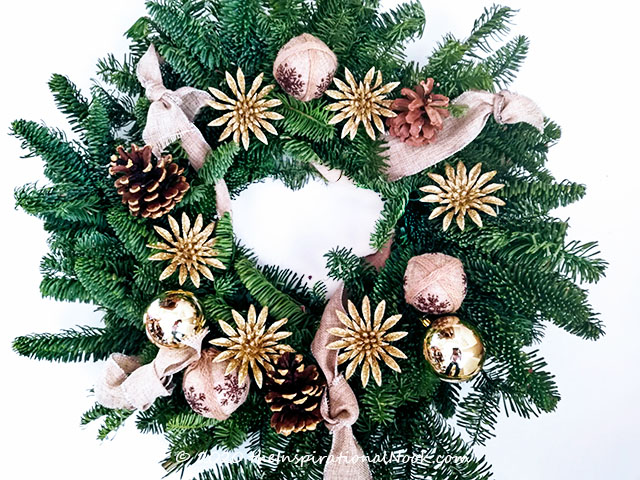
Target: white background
(580, 70)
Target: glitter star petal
(461, 194)
(366, 343)
(361, 103)
(192, 251)
(248, 112)
(251, 346)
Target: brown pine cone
(150, 187)
(294, 394)
(420, 114)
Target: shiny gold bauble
(173, 317)
(453, 349)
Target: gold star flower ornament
(249, 111)
(460, 194)
(252, 345)
(362, 341)
(191, 252)
(361, 103)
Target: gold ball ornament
(453, 349)
(304, 67)
(173, 317)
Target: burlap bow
(126, 384)
(339, 406)
(404, 160)
(170, 118)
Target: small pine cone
(419, 116)
(150, 188)
(294, 395)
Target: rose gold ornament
(304, 67)
(435, 283)
(211, 393)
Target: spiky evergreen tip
(522, 271)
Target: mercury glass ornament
(453, 349)
(173, 317)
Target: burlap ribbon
(506, 107)
(339, 406)
(170, 118)
(126, 384)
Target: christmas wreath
(467, 266)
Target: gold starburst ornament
(252, 345)
(248, 112)
(460, 194)
(362, 341)
(192, 251)
(361, 103)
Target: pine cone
(420, 115)
(294, 395)
(149, 190)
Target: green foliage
(309, 120)
(218, 162)
(280, 304)
(523, 272)
(69, 100)
(82, 344)
(63, 162)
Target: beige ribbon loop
(126, 384)
(506, 107)
(171, 116)
(339, 406)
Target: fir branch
(506, 61)
(306, 119)
(82, 344)
(225, 243)
(133, 232)
(187, 25)
(109, 288)
(66, 201)
(121, 74)
(64, 289)
(69, 100)
(63, 162)
(493, 24)
(218, 162)
(343, 265)
(190, 420)
(93, 414)
(479, 410)
(404, 23)
(99, 141)
(113, 420)
(244, 469)
(280, 304)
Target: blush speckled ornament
(453, 349)
(211, 393)
(172, 317)
(435, 283)
(304, 67)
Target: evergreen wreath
(520, 270)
